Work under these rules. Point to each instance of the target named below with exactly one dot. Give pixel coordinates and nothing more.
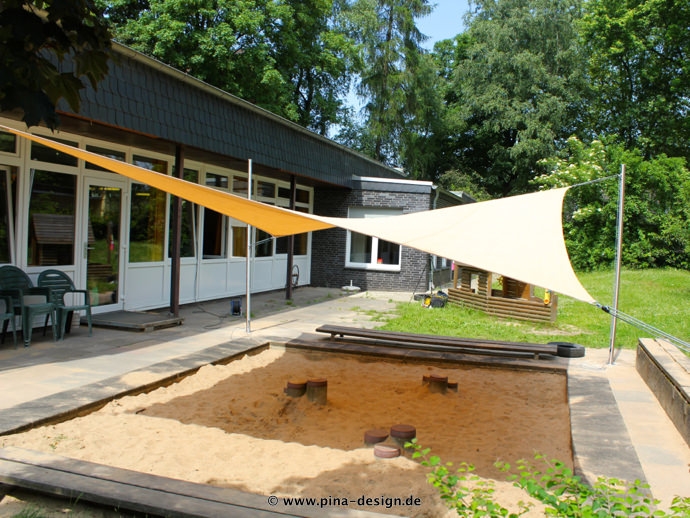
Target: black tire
(569, 349)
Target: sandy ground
(234, 426)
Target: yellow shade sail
(274, 220)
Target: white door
(103, 241)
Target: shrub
(555, 485)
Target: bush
(656, 229)
(554, 485)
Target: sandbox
(234, 426)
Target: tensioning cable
(655, 331)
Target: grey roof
(392, 185)
(148, 97)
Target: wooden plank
(468, 299)
(428, 354)
(447, 341)
(125, 489)
(519, 309)
(53, 229)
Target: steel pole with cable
(619, 251)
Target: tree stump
(438, 384)
(383, 451)
(296, 388)
(317, 390)
(375, 436)
(403, 433)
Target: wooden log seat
(470, 345)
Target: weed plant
(550, 482)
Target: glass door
(102, 243)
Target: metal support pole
(176, 237)
(291, 241)
(619, 251)
(248, 318)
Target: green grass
(29, 513)
(660, 298)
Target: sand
(233, 426)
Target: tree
(316, 57)
(224, 43)
(47, 49)
(444, 144)
(640, 72)
(454, 180)
(519, 89)
(656, 212)
(288, 57)
(394, 72)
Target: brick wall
(328, 246)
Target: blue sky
(444, 22)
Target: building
(119, 238)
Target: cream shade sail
(519, 237)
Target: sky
(444, 22)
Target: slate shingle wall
(142, 95)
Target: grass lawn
(660, 298)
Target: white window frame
(372, 264)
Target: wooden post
(438, 384)
(296, 388)
(317, 390)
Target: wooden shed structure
(472, 287)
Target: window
(300, 248)
(239, 241)
(147, 219)
(189, 217)
(51, 218)
(8, 142)
(214, 235)
(109, 153)
(263, 247)
(218, 181)
(369, 252)
(240, 186)
(302, 196)
(46, 154)
(265, 189)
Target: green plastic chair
(67, 299)
(7, 316)
(28, 301)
